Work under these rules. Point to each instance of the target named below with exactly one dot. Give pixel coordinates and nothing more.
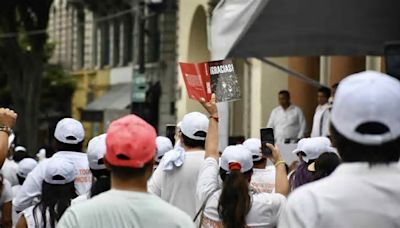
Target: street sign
(140, 87)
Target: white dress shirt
(354, 195)
(321, 121)
(287, 123)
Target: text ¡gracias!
(221, 69)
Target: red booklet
(203, 79)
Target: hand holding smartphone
(170, 132)
(267, 136)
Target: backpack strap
(203, 206)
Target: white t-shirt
(178, 186)
(32, 186)
(6, 194)
(124, 209)
(265, 207)
(354, 195)
(287, 124)
(9, 170)
(30, 218)
(263, 180)
(80, 199)
(321, 116)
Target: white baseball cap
(60, 171)
(96, 151)
(69, 131)
(193, 123)
(300, 145)
(254, 146)
(367, 97)
(19, 149)
(313, 147)
(25, 166)
(236, 157)
(163, 146)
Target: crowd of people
(130, 177)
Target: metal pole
(290, 72)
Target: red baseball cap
(130, 142)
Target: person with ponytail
(58, 190)
(101, 181)
(235, 204)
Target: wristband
(214, 117)
(6, 129)
(279, 162)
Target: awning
(307, 27)
(118, 97)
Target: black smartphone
(170, 132)
(392, 59)
(267, 136)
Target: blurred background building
(126, 61)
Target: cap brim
(311, 167)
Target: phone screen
(267, 136)
(170, 133)
(392, 59)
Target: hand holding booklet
(204, 79)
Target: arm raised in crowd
(7, 121)
(281, 180)
(212, 135)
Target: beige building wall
(192, 47)
(266, 82)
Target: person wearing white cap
(10, 166)
(69, 136)
(235, 205)
(263, 178)
(175, 178)
(24, 168)
(322, 114)
(101, 175)
(308, 149)
(363, 191)
(58, 189)
(163, 146)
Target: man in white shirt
(131, 147)
(363, 191)
(175, 179)
(287, 120)
(69, 136)
(322, 114)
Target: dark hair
(49, 151)
(60, 146)
(55, 199)
(351, 151)
(192, 143)
(235, 202)
(325, 164)
(301, 176)
(102, 183)
(325, 90)
(334, 86)
(20, 155)
(130, 173)
(259, 162)
(284, 92)
(21, 180)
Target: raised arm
(281, 180)
(212, 134)
(7, 121)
